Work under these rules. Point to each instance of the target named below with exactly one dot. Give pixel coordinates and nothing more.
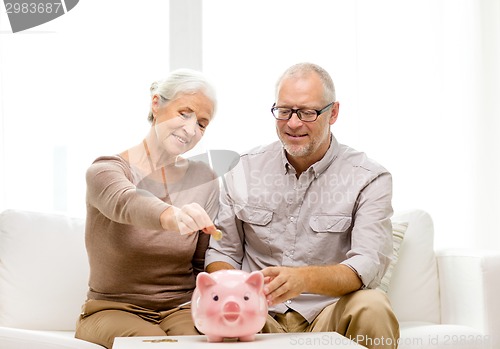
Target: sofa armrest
(469, 281)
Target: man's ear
(335, 113)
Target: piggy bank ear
(204, 281)
(256, 280)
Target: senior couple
(320, 231)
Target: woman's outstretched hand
(187, 220)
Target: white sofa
(446, 299)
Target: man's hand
(186, 220)
(283, 283)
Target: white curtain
(417, 80)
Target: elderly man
(314, 216)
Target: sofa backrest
(43, 270)
(414, 285)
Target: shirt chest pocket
(257, 226)
(254, 215)
(329, 240)
(329, 223)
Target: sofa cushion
(423, 335)
(414, 287)
(398, 233)
(43, 268)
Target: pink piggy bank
(229, 304)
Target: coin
(217, 235)
(168, 340)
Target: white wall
(73, 89)
(409, 78)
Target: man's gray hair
(301, 69)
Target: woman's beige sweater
(132, 259)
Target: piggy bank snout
(231, 311)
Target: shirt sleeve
(230, 248)
(371, 238)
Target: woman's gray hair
(182, 81)
(301, 69)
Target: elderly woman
(149, 218)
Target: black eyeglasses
(306, 115)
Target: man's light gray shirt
(337, 211)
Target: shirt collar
(287, 167)
(318, 167)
